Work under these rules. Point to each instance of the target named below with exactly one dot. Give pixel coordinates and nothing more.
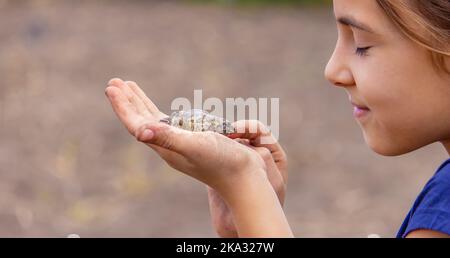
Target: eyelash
(362, 51)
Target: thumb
(166, 137)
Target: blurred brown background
(67, 166)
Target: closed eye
(362, 51)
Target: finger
(140, 105)
(243, 142)
(254, 131)
(141, 94)
(132, 97)
(273, 173)
(267, 154)
(168, 137)
(136, 100)
(124, 110)
(119, 83)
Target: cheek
(406, 110)
(386, 129)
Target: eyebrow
(348, 21)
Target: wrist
(243, 183)
(241, 176)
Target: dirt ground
(68, 167)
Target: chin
(386, 151)
(390, 148)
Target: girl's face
(403, 101)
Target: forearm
(256, 210)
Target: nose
(338, 72)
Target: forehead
(358, 7)
(364, 11)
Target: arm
(276, 171)
(256, 209)
(263, 208)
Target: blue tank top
(431, 210)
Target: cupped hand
(211, 158)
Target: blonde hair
(426, 22)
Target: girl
(393, 59)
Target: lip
(359, 111)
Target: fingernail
(147, 134)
